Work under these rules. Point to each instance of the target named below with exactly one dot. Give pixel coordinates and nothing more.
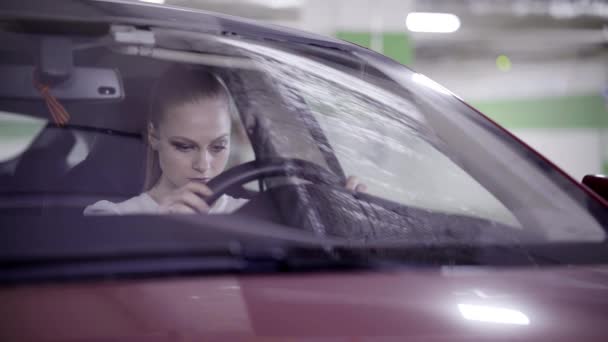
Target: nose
(202, 161)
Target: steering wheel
(236, 177)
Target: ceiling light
(154, 1)
(278, 4)
(503, 63)
(432, 22)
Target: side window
(374, 142)
(17, 133)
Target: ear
(153, 138)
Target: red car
(329, 192)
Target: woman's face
(192, 141)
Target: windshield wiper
(75, 247)
(231, 258)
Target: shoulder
(102, 208)
(141, 204)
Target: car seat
(114, 168)
(41, 167)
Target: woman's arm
(102, 208)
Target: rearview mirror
(597, 183)
(97, 84)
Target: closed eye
(182, 146)
(217, 148)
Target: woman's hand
(354, 184)
(189, 199)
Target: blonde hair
(176, 86)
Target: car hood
(449, 304)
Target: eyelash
(183, 147)
(217, 148)
(186, 148)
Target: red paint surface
(561, 304)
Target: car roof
(141, 13)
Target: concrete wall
(554, 106)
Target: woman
(189, 144)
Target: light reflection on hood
(493, 314)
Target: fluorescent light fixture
(432, 22)
(154, 1)
(429, 83)
(493, 314)
(278, 4)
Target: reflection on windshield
(379, 136)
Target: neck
(161, 189)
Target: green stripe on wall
(396, 45)
(360, 38)
(399, 47)
(580, 111)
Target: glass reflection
(493, 314)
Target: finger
(199, 188)
(351, 182)
(361, 188)
(195, 202)
(178, 208)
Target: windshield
(338, 145)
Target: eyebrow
(223, 136)
(177, 137)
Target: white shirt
(144, 204)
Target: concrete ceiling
(528, 29)
(525, 28)
(271, 10)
